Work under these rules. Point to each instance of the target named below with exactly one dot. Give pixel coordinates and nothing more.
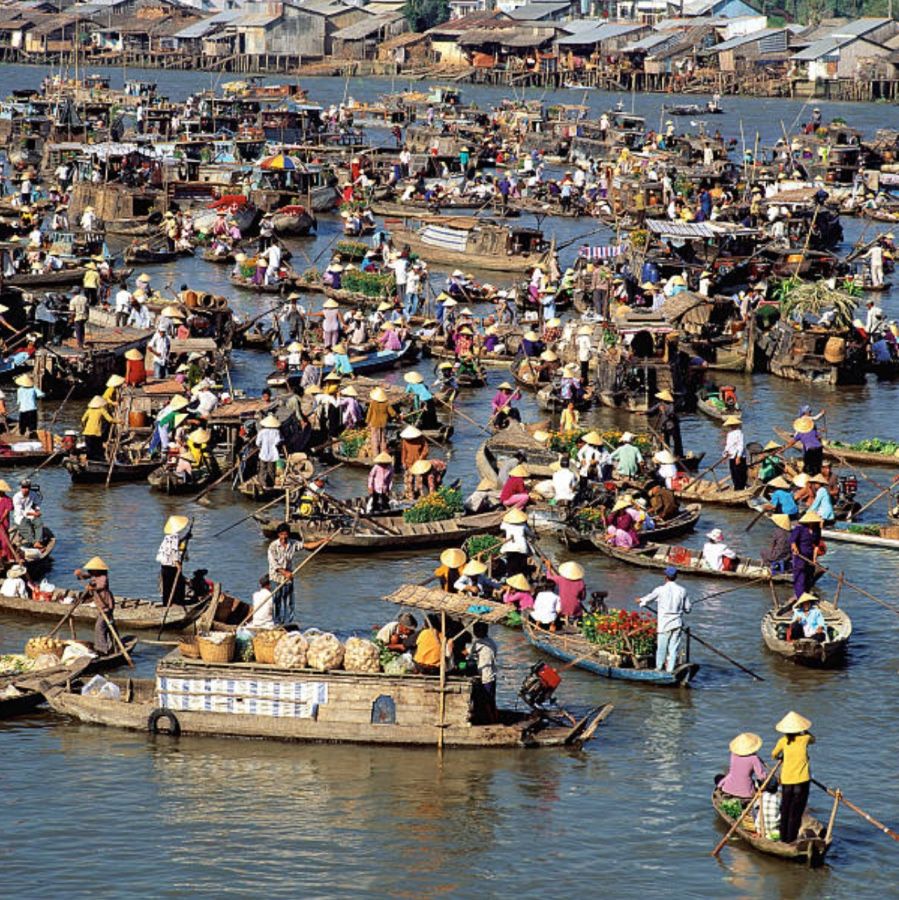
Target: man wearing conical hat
(92, 427)
(98, 592)
(795, 773)
(377, 416)
(170, 556)
(667, 422)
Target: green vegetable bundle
(482, 547)
(351, 249)
(444, 503)
(352, 441)
(372, 284)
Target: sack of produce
(361, 656)
(45, 661)
(290, 651)
(37, 646)
(399, 665)
(325, 652)
(264, 643)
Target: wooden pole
(723, 655)
(752, 803)
(116, 638)
(868, 818)
(458, 412)
(837, 794)
(68, 615)
(442, 701)
(179, 567)
(221, 478)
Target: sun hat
(270, 421)
(620, 504)
(793, 723)
(665, 457)
(519, 471)
(819, 479)
(199, 436)
(732, 421)
(332, 376)
(811, 518)
(782, 520)
(474, 567)
(410, 432)
(531, 336)
(779, 482)
(553, 322)
(627, 437)
(716, 534)
(541, 437)
(771, 445)
(179, 401)
(95, 564)
(571, 570)
(115, 381)
(96, 402)
(349, 391)
(519, 582)
(383, 458)
(514, 517)
(593, 438)
(25, 381)
(505, 386)
(378, 395)
(420, 467)
(800, 480)
(803, 425)
(548, 356)
(805, 597)
(585, 330)
(4, 486)
(174, 524)
(133, 354)
(330, 303)
(453, 558)
(665, 395)
(745, 744)
(413, 378)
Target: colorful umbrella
(281, 161)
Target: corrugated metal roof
(825, 47)
(694, 229)
(205, 26)
(741, 39)
(537, 11)
(858, 27)
(599, 33)
(651, 41)
(365, 27)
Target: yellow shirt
(109, 395)
(91, 279)
(427, 648)
(92, 422)
(795, 768)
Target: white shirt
(267, 441)
(169, 553)
(583, 347)
(21, 505)
(160, 345)
(733, 444)
(13, 587)
(123, 300)
(206, 402)
(564, 482)
(263, 609)
(516, 541)
(873, 319)
(401, 270)
(589, 454)
(713, 554)
(671, 604)
(546, 607)
(273, 255)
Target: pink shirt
(521, 599)
(390, 340)
(738, 781)
(380, 478)
(571, 593)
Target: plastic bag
(98, 686)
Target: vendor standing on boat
(92, 427)
(281, 553)
(667, 422)
(795, 773)
(170, 556)
(97, 591)
(672, 603)
(804, 545)
(806, 435)
(777, 554)
(735, 451)
(376, 417)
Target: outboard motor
(539, 686)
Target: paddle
(116, 637)
(838, 795)
(723, 655)
(68, 614)
(293, 574)
(843, 580)
(874, 499)
(752, 803)
(458, 412)
(714, 465)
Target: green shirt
(627, 459)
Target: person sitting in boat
(663, 505)
(514, 492)
(429, 644)
(332, 275)
(626, 458)
(446, 381)
(475, 581)
(340, 360)
(531, 346)
(746, 768)
(549, 364)
(822, 504)
(808, 621)
(622, 538)
(569, 582)
(776, 556)
(517, 593)
(399, 636)
(350, 409)
(389, 339)
(29, 523)
(716, 555)
(452, 561)
(571, 389)
(667, 467)
(483, 498)
(15, 583)
(767, 817)
(772, 464)
(804, 494)
(639, 512)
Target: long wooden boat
(572, 647)
(388, 533)
(548, 399)
(247, 284)
(688, 562)
(94, 471)
(881, 540)
(861, 457)
(709, 493)
(684, 522)
(263, 701)
(28, 457)
(492, 360)
(146, 256)
(819, 654)
(36, 561)
(525, 373)
(810, 850)
(364, 363)
(164, 479)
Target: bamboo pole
(441, 724)
(868, 818)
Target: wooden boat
(389, 533)
(163, 479)
(660, 556)
(807, 652)
(716, 410)
(860, 457)
(473, 242)
(684, 522)
(710, 493)
(548, 399)
(492, 360)
(572, 647)
(526, 374)
(810, 850)
(35, 560)
(147, 256)
(9, 456)
(94, 471)
(363, 363)
(131, 613)
(293, 220)
(693, 109)
(886, 538)
(333, 706)
(247, 284)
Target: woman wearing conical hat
(795, 772)
(98, 592)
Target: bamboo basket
(264, 645)
(211, 651)
(189, 648)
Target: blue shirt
(27, 398)
(823, 504)
(783, 502)
(342, 364)
(811, 621)
(420, 392)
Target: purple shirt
(738, 781)
(809, 440)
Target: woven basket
(189, 648)
(264, 651)
(213, 652)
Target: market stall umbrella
(281, 162)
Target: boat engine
(848, 486)
(539, 685)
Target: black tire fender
(159, 713)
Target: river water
(105, 813)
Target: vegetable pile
(567, 442)
(352, 441)
(482, 547)
(444, 503)
(870, 445)
(371, 284)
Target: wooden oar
(874, 499)
(179, 568)
(843, 580)
(838, 795)
(752, 802)
(293, 574)
(723, 655)
(373, 523)
(714, 465)
(68, 614)
(459, 412)
(116, 638)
